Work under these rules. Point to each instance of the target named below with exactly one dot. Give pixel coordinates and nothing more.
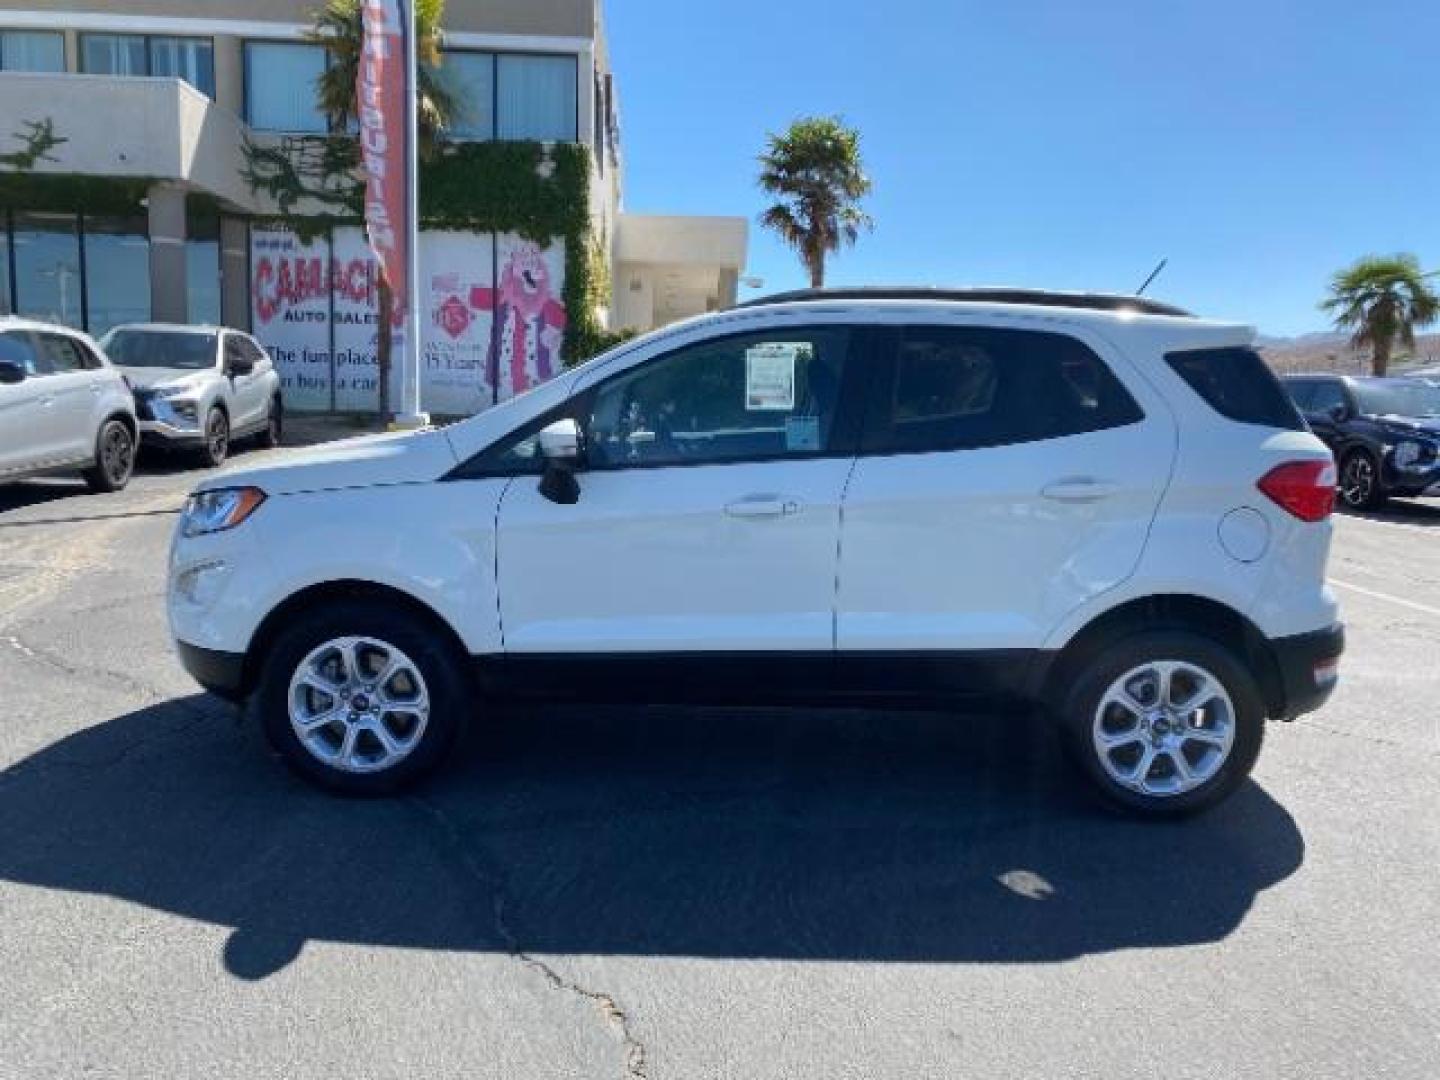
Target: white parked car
(865, 497)
(63, 408)
(198, 388)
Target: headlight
(185, 409)
(218, 510)
(1411, 454)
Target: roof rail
(1037, 297)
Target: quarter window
(755, 397)
(1236, 383)
(960, 388)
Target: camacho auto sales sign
(381, 107)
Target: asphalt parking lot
(661, 893)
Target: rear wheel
(1166, 723)
(362, 699)
(114, 457)
(1360, 482)
(216, 447)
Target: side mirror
(561, 447)
(11, 373)
(1339, 413)
(239, 365)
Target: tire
(430, 691)
(216, 447)
(1217, 764)
(1360, 485)
(274, 425)
(114, 457)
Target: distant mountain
(1329, 351)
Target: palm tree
(1381, 299)
(817, 174)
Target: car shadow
(715, 833)
(1405, 511)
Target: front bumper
(221, 673)
(160, 433)
(1309, 667)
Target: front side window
(16, 348)
(32, 50)
(1325, 398)
(58, 354)
(280, 78)
(1398, 397)
(754, 397)
(961, 388)
(538, 98)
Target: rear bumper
(1308, 666)
(221, 673)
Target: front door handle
(1080, 489)
(766, 506)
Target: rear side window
(962, 388)
(1236, 383)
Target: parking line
(1427, 609)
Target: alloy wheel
(217, 436)
(117, 454)
(1357, 484)
(1164, 728)
(358, 704)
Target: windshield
(160, 349)
(1398, 397)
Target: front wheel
(114, 458)
(1360, 482)
(216, 447)
(274, 425)
(362, 699)
(1166, 723)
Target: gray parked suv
(198, 387)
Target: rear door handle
(762, 507)
(1080, 489)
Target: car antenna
(1153, 275)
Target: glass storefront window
(4, 268)
(32, 50)
(280, 81)
(47, 267)
(202, 271)
(472, 77)
(117, 272)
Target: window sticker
(770, 376)
(802, 434)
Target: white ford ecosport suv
(871, 497)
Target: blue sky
(1259, 144)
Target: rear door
(1006, 476)
(73, 388)
(25, 408)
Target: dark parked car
(1385, 433)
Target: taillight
(1303, 488)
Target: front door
(1005, 477)
(27, 424)
(247, 386)
(709, 510)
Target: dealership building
(139, 209)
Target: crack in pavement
(83, 671)
(609, 1009)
